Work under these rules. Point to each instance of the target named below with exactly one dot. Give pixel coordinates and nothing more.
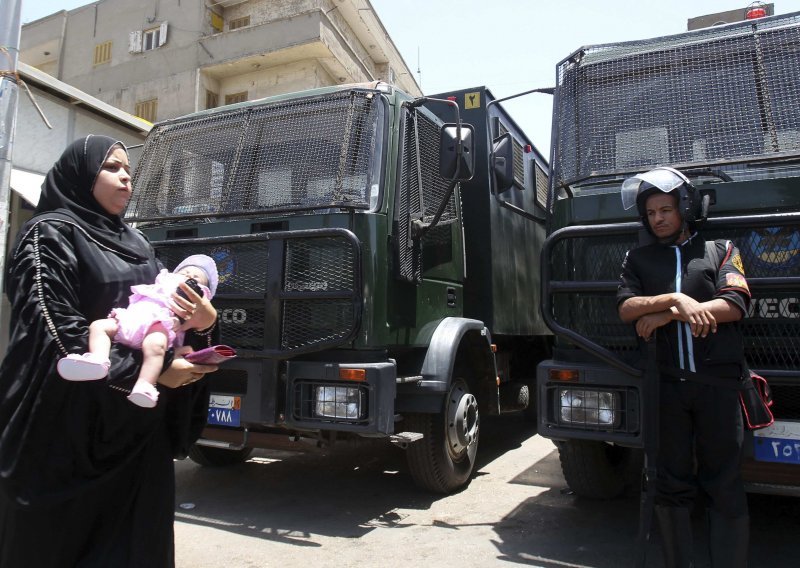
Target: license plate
(224, 410)
(778, 443)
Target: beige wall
(308, 43)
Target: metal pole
(650, 419)
(9, 56)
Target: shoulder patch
(737, 262)
(736, 281)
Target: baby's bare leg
(101, 332)
(154, 347)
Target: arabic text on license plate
(778, 443)
(224, 410)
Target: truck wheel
(597, 470)
(531, 412)
(218, 457)
(443, 460)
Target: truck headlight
(338, 402)
(589, 407)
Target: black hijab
(67, 191)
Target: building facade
(160, 59)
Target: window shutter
(217, 22)
(135, 42)
(162, 34)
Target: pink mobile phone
(213, 355)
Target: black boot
(675, 525)
(728, 540)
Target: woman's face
(112, 187)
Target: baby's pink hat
(207, 265)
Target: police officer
(690, 296)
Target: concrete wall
(196, 58)
(297, 76)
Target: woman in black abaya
(86, 478)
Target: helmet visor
(665, 179)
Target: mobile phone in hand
(192, 283)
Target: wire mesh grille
(709, 96)
(319, 284)
(243, 266)
(310, 321)
(422, 189)
(320, 264)
(771, 330)
(786, 403)
(242, 323)
(305, 153)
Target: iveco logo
(307, 286)
(230, 315)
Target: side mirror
(503, 163)
(450, 163)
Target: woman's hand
(194, 307)
(182, 372)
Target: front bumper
(591, 402)
(310, 395)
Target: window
(234, 98)
(147, 110)
(541, 180)
(140, 41)
(212, 99)
(151, 39)
(102, 53)
(237, 23)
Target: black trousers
(703, 423)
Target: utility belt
(675, 375)
(755, 396)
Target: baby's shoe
(86, 367)
(144, 394)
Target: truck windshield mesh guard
(315, 152)
(713, 96)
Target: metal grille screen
(318, 304)
(710, 96)
(421, 189)
(305, 153)
(325, 266)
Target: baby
(147, 324)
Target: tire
(218, 457)
(597, 470)
(531, 413)
(443, 460)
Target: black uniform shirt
(658, 269)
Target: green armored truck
(720, 104)
(373, 279)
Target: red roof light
(754, 13)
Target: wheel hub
(462, 420)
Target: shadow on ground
(558, 529)
(351, 490)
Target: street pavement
(359, 507)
